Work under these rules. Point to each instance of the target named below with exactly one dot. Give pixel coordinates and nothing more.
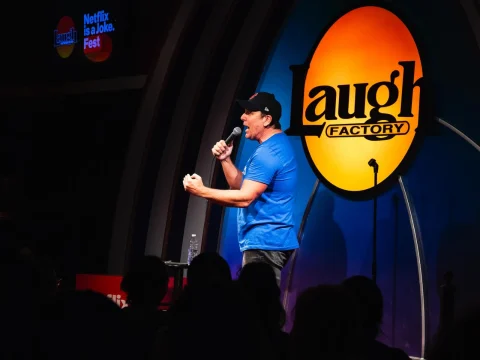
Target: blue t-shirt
(267, 223)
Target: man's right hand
(221, 150)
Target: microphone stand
(374, 165)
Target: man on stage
(264, 192)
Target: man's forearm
(234, 198)
(232, 174)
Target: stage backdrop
(429, 215)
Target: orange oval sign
(361, 99)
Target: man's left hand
(193, 184)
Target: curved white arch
(134, 160)
(168, 181)
(459, 133)
(421, 264)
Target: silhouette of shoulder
(382, 351)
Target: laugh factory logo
(360, 100)
(65, 37)
(97, 41)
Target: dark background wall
(66, 124)
(64, 145)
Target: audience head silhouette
(208, 269)
(324, 324)
(86, 324)
(260, 278)
(146, 283)
(460, 341)
(259, 282)
(369, 303)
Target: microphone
(236, 132)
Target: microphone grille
(237, 131)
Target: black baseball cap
(264, 102)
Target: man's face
(255, 123)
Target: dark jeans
(276, 259)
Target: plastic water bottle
(193, 248)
